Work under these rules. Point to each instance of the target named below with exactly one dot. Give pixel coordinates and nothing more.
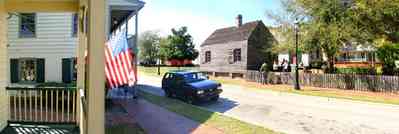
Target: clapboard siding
(223, 41)
(53, 41)
(220, 61)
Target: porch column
(96, 38)
(4, 109)
(81, 64)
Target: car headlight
(200, 92)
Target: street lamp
(296, 28)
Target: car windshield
(194, 77)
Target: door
(178, 86)
(166, 80)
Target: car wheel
(168, 93)
(216, 98)
(190, 99)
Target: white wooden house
(42, 46)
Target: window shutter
(14, 70)
(40, 71)
(66, 70)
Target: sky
(202, 17)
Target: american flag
(119, 70)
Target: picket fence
(359, 82)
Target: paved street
(299, 114)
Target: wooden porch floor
(40, 129)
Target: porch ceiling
(42, 5)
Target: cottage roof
(233, 33)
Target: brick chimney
(239, 20)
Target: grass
(153, 71)
(124, 129)
(226, 124)
(311, 91)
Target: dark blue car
(191, 87)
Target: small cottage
(233, 50)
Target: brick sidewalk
(157, 120)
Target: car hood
(204, 85)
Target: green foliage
(149, 44)
(264, 68)
(377, 19)
(388, 54)
(329, 24)
(179, 45)
(317, 64)
(327, 27)
(354, 70)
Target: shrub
(318, 64)
(355, 71)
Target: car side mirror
(207, 77)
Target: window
(27, 71)
(27, 27)
(74, 69)
(69, 70)
(207, 56)
(194, 77)
(75, 25)
(237, 54)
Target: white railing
(42, 105)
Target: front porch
(26, 110)
(40, 129)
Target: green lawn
(153, 71)
(226, 124)
(340, 94)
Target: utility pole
(297, 87)
(159, 65)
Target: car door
(179, 86)
(166, 81)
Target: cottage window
(207, 56)
(27, 27)
(237, 54)
(28, 70)
(75, 25)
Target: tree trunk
(330, 66)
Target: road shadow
(222, 105)
(155, 90)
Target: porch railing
(42, 105)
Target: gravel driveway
(299, 114)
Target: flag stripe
(119, 57)
(120, 69)
(114, 69)
(109, 69)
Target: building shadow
(222, 105)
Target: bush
(388, 54)
(318, 64)
(355, 71)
